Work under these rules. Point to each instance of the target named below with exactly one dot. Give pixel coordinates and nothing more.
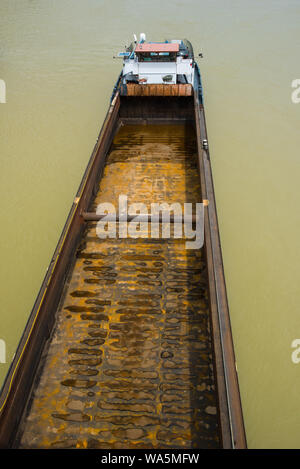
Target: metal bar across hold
(90, 216)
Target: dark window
(156, 56)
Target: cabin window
(156, 56)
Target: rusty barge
(129, 342)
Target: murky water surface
(56, 60)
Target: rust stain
(159, 90)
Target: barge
(129, 342)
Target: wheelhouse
(153, 63)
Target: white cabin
(169, 62)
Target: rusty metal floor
(129, 364)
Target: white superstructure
(169, 62)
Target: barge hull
(199, 311)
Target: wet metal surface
(130, 361)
